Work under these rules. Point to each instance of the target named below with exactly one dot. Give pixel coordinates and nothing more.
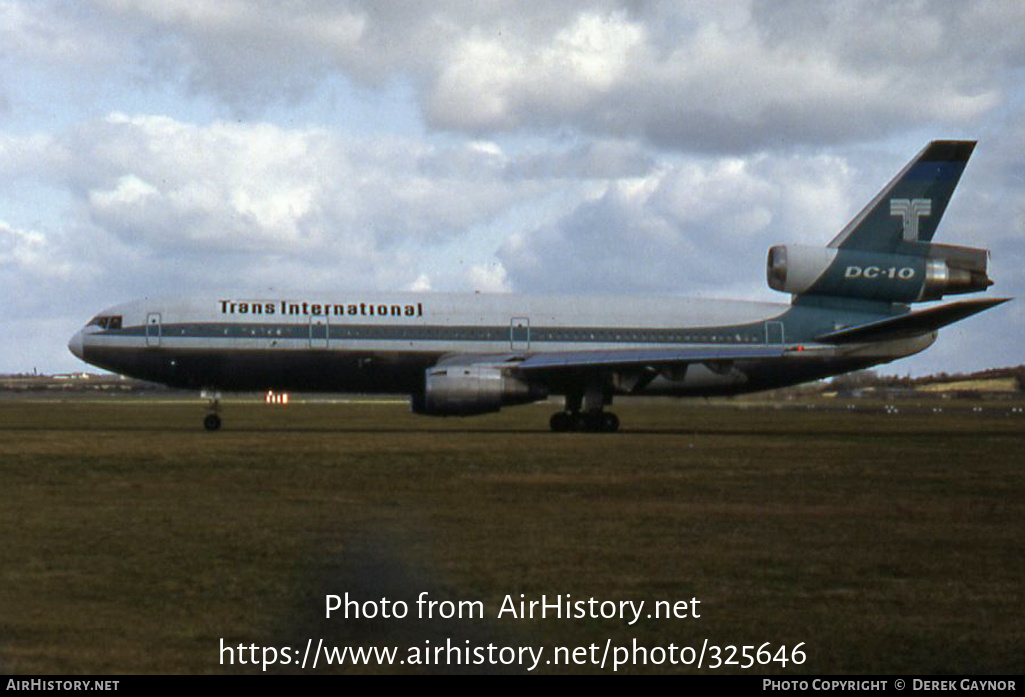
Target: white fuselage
(383, 342)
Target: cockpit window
(106, 322)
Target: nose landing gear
(212, 420)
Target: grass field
(133, 541)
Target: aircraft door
(519, 334)
(774, 333)
(318, 331)
(153, 329)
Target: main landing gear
(212, 420)
(585, 411)
(595, 421)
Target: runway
(134, 541)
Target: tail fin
(886, 254)
(910, 207)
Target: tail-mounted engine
(925, 272)
(465, 390)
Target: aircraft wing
(911, 324)
(626, 358)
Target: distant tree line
(865, 379)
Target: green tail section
(885, 255)
(908, 210)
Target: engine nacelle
(931, 272)
(466, 390)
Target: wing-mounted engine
(465, 390)
(921, 271)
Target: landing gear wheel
(609, 422)
(212, 421)
(561, 422)
(592, 422)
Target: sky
(186, 146)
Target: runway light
(273, 398)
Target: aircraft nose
(75, 345)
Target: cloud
(492, 81)
(41, 34)
(32, 252)
(256, 203)
(692, 226)
(731, 77)
(489, 279)
(581, 146)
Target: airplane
(467, 354)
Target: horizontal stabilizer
(641, 357)
(911, 324)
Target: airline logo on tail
(910, 210)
